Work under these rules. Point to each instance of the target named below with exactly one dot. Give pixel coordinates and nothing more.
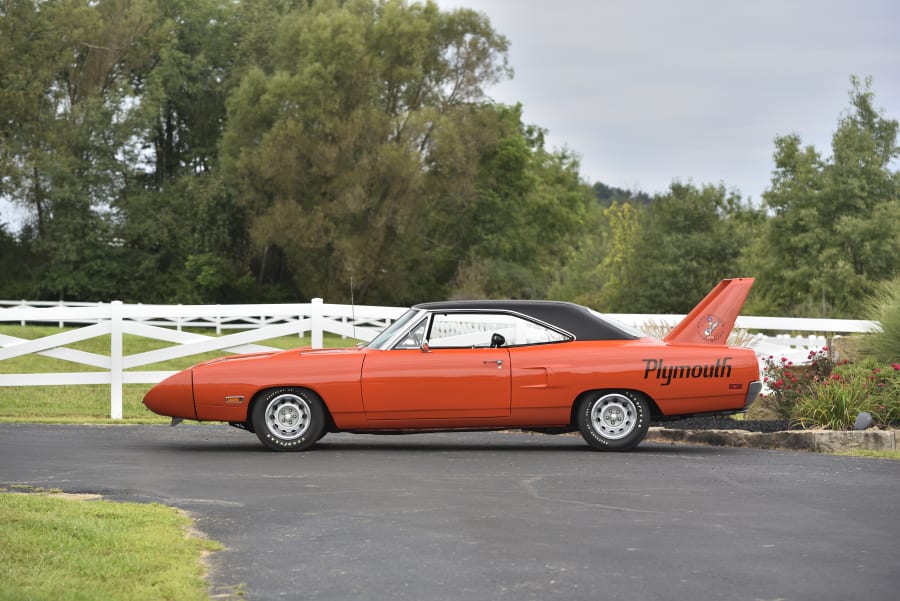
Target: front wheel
(613, 421)
(289, 419)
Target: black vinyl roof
(575, 319)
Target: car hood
(302, 351)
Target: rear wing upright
(712, 320)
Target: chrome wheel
(614, 416)
(288, 416)
(288, 419)
(613, 420)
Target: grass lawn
(91, 403)
(53, 547)
(876, 454)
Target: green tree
(686, 241)
(183, 92)
(113, 113)
(15, 260)
(330, 145)
(65, 96)
(508, 208)
(607, 195)
(596, 262)
(185, 233)
(833, 231)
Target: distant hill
(605, 195)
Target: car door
(442, 383)
(449, 366)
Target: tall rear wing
(711, 321)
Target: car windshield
(381, 341)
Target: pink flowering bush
(825, 394)
(789, 383)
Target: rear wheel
(288, 419)
(613, 421)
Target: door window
(486, 330)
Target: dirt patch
(76, 496)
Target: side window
(478, 330)
(414, 338)
(528, 332)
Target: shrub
(836, 402)
(790, 383)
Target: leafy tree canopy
(833, 231)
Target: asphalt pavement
(494, 516)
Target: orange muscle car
(481, 365)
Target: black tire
(613, 420)
(288, 419)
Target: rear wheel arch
(573, 419)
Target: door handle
(498, 362)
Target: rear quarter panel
(680, 379)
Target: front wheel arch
(288, 418)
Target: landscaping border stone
(826, 441)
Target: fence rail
(257, 323)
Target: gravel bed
(725, 423)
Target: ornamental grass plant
(835, 402)
(883, 345)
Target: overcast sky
(649, 91)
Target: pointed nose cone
(173, 397)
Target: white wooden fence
(166, 323)
(262, 322)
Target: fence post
(315, 316)
(116, 360)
